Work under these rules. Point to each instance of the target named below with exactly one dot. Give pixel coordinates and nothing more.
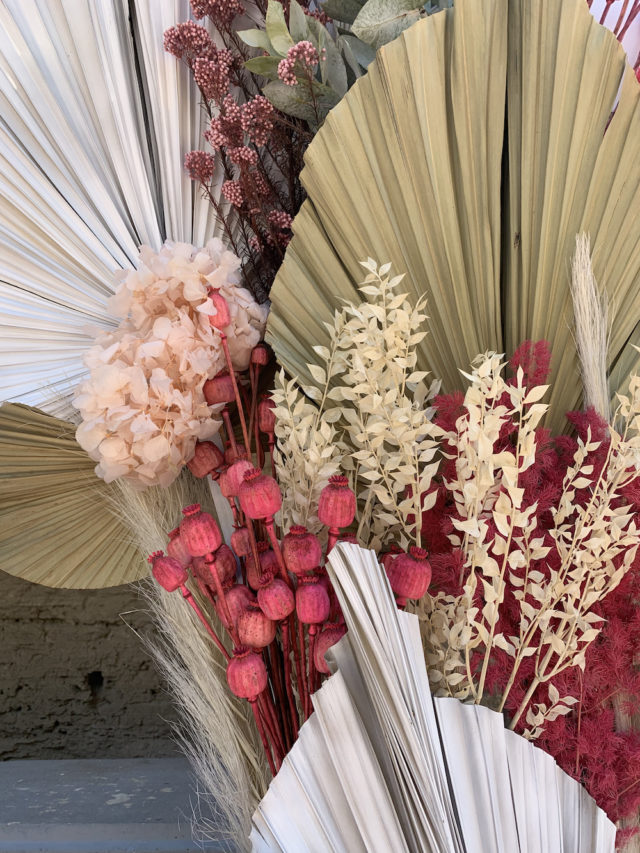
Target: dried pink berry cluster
(301, 59)
(256, 151)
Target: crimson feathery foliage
(590, 743)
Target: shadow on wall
(75, 681)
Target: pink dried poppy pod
(246, 674)
(232, 454)
(260, 355)
(312, 601)
(391, 554)
(222, 318)
(337, 503)
(268, 562)
(199, 531)
(241, 541)
(235, 476)
(206, 458)
(266, 415)
(169, 573)
(409, 575)
(328, 637)
(226, 563)
(238, 598)
(275, 598)
(219, 389)
(259, 495)
(301, 550)
(255, 629)
(177, 549)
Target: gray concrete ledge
(137, 805)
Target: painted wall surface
(75, 680)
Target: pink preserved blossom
(257, 119)
(232, 191)
(221, 12)
(243, 156)
(212, 74)
(302, 56)
(188, 41)
(200, 165)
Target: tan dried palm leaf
(56, 525)
(415, 166)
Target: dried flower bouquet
(527, 535)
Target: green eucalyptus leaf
(381, 21)
(298, 22)
(277, 29)
(296, 100)
(349, 56)
(256, 38)
(267, 66)
(342, 10)
(332, 67)
(364, 53)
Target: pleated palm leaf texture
(477, 147)
(95, 120)
(56, 527)
(382, 766)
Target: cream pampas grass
(216, 730)
(591, 316)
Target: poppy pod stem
(205, 591)
(276, 671)
(213, 571)
(227, 424)
(232, 374)
(275, 544)
(261, 732)
(286, 651)
(302, 672)
(271, 725)
(254, 544)
(313, 632)
(189, 599)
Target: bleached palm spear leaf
(414, 167)
(95, 120)
(56, 527)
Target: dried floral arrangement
(265, 109)
(152, 390)
(527, 564)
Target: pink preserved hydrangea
(143, 406)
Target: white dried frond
(590, 311)
(216, 730)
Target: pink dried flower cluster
(221, 12)
(143, 406)
(212, 74)
(200, 165)
(302, 55)
(257, 149)
(188, 41)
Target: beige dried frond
(216, 730)
(590, 311)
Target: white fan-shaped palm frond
(95, 120)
